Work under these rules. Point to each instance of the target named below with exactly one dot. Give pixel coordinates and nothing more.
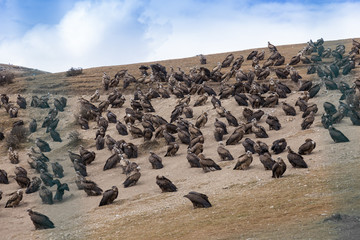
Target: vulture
(47, 178)
(235, 137)
(172, 149)
(109, 196)
(32, 126)
(55, 135)
(15, 199)
(33, 186)
(208, 164)
(273, 122)
(156, 161)
(21, 101)
(289, 110)
(121, 128)
(296, 160)
(165, 184)
(308, 120)
(133, 178)
(278, 168)
(112, 161)
(307, 147)
(199, 200)
(42, 145)
(90, 187)
(279, 146)
(337, 135)
(193, 159)
(224, 154)
(40, 221)
(244, 161)
(267, 161)
(61, 187)
(13, 156)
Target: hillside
(247, 204)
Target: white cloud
(98, 33)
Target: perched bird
(244, 161)
(40, 221)
(336, 135)
(13, 156)
(55, 135)
(199, 200)
(109, 196)
(308, 121)
(289, 110)
(235, 137)
(329, 108)
(112, 161)
(15, 199)
(121, 128)
(248, 144)
(307, 147)
(258, 130)
(172, 149)
(61, 187)
(90, 187)
(87, 156)
(279, 145)
(33, 186)
(165, 184)
(33, 126)
(278, 168)
(47, 178)
(224, 154)
(42, 145)
(133, 178)
(193, 159)
(79, 167)
(267, 161)
(261, 147)
(296, 160)
(201, 120)
(273, 123)
(155, 160)
(46, 195)
(208, 164)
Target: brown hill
(246, 204)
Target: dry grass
(254, 210)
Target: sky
(55, 35)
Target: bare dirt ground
(246, 204)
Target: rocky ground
(321, 202)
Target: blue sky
(54, 35)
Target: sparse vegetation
(6, 78)
(16, 136)
(74, 72)
(75, 138)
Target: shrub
(16, 136)
(74, 72)
(6, 78)
(75, 138)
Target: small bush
(75, 138)
(12, 141)
(16, 136)
(74, 72)
(6, 78)
(19, 131)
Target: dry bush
(6, 78)
(75, 138)
(74, 72)
(16, 136)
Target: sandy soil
(246, 204)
